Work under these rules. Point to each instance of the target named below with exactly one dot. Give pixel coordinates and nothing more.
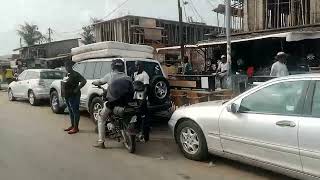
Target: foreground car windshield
(51, 75)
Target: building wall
(150, 31)
(255, 14)
(63, 47)
(315, 11)
(254, 11)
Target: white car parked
(275, 125)
(34, 85)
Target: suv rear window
(52, 75)
(152, 68)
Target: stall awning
(290, 37)
(175, 47)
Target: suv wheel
(159, 90)
(11, 96)
(95, 107)
(54, 103)
(32, 98)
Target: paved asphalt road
(33, 146)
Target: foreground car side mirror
(233, 108)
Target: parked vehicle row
(275, 125)
(36, 85)
(94, 69)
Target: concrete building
(152, 31)
(275, 14)
(48, 55)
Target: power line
(114, 10)
(184, 9)
(209, 2)
(192, 4)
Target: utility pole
(228, 30)
(181, 31)
(50, 31)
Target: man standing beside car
(73, 85)
(142, 76)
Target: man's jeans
(102, 119)
(73, 104)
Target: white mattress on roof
(111, 45)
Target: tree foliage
(30, 34)
(88, 36)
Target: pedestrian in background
(223, 71)
(187, 67)
(73, 85)
(142, 76)
(279, 68)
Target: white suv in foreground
(93, 69)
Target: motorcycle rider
(119, 92)
(142, 76)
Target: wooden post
(267, 15)
(302, 11)
(278, 14)
(181, 32)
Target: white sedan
(33, 84)
(275, 125)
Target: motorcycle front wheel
(129, 141)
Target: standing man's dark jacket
(72, 84)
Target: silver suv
(34, 85)
(94, 69)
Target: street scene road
(34, 147)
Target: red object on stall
(250, 71)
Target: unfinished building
(151, 31)
(275, 14)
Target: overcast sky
(66, 17)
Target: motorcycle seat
(124, 111)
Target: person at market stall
(279, 68)
(187, 67)
(142, 76)
(73, 85)
(223, 72)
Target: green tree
(88, 35)
(30, 34)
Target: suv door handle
(286, 124)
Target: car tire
(55, 104)
(96, 105)
(191, 141)
(159, 90)
(32, 98)
(11, 96)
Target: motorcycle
(126, 123)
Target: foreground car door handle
(286, 124)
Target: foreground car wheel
(191, 141)
(10, 95)
(55, 104)
(95, 108)
(32, 99)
